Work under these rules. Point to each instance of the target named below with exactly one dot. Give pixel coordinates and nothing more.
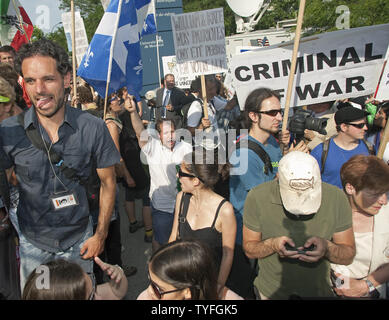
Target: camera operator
(333, 153)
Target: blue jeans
(32, 257)
(162, 225)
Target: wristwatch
(370, 285)
(373, 292)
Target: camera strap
(36, 140)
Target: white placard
(199, 39)
(330, 66)
(81, 38)
(383, 89)
(179, 70)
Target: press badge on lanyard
(64, 200)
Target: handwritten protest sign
(199, 40)
(80, 38)
(179, 70)
(330, 66)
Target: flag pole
(20, 20)
(156, 41)
(74, 49)
(111, 56)
(293, 65)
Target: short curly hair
(7, 90)
(45, 48)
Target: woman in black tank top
(201, 214)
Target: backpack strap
(324, 154)
(261, 153)
(184, 205)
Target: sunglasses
(184, 174)
(157, 290)
(273, 112)
(357, 125)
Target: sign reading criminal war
(80, 33)
(179, 70)
(330, 66)
(199, 40)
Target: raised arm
(136, 121)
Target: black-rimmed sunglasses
(157, 290)
(188, 175)
(273, 112)
(357, 125)
(184, 174)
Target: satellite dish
(245, 8)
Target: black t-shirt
(130, 152)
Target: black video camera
(303, 119)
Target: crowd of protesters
(269, 216)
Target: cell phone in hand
(302, 251)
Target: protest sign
(179, 70)
(81, 38)
(199, 40)
(330, 66)
(383, 87)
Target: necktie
(167, 97)
(166, 102)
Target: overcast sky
(43, 13)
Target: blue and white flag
(145, 10)
(127, 68)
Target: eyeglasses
(184, 174)
(273, 112)
(157, 290)
(357, 125)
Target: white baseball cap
(300, 183)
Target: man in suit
(170, 100)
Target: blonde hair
(7, 90)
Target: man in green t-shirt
(296, 226)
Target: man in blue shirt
(351, 127)
(53, 219)
(263, 112)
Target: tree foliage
(37, 34)
(229, 19)
(321, 15)
(91, 11)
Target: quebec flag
(146, 13)
(127, 68)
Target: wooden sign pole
(384, 141)
(204, 91)
(74, 49)
(293, 65)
